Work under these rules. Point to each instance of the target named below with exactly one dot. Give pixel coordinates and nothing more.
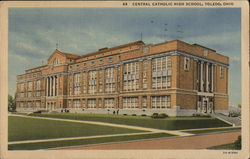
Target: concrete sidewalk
(76, 138)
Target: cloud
(34, 32)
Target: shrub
(125, 114)
(196, 114)
(143, 115)
(162, 115)
(133, 114)
(37, 112)
(156, 115)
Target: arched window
(56, 61)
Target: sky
(35, 32)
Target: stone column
(212, 78)
(207, 81)
(51, 88)
(47, 87)
(201, 77)
(54, 86)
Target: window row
(160, 102)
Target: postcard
(124, 79)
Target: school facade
(173, 77)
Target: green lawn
(212, 130)
(21, 128)
(54, 144)
(171, 123)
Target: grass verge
(171, 123)
(21, 128)
(212, 130)
(54, 144)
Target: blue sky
(34, 32)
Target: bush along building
(173, 77)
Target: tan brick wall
(221, 82)
(185, 77)
(186, 101)
(220, 103)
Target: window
(93, 62)
(160, 102)
(205, 52)
(130, 102)
(110, 59)
(131, 76)
(144, 102)
(77, 84)
(110, 80)
(92, 81)
(77, 104)
(101, 61)
(221, 71)
(30, 86)
(161, 72)
(56, 61)
(38, 87)
(145, 49)
(109, 103)
(186, 63)
(91, 103)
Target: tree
(239, 105)
(237, 143)
(11, 103)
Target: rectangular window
(161, 72)
(145, 49)
(91, 103)
(92, 82)
(221, 71)
(130, 102)
(110, 59)
(109, 103)
(110, 80)
(186, 63)
(101, 61)
(161, 102)
(77, 104)
(144, 102)
(131, 76)
(77, 84)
